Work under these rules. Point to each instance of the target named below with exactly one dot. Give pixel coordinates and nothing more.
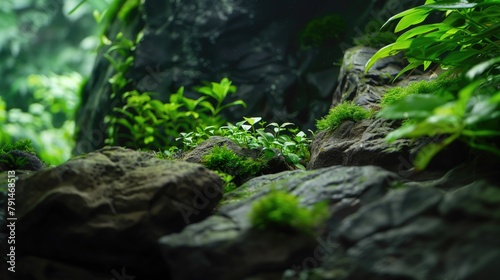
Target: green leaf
(416, 17)
(252, 121)
(479, 69)
(388, 50)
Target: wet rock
(106, 210)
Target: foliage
(281, 210)
(322, 31)
(468, 34)
(228, 162)
(16, 162)
(24, 145)
(144, 122)
(466, 41)
(421, 87)
(49, 119)
(472, 117)
(342, 112)
(44, 52)
(376, 39)
(291, 143)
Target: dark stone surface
(225, 246)
(105, 211)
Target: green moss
(420, 87)
(281, 210)
(376, 39)
(342, 112)
(322, 31)
(226, 161)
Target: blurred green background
(47, 48)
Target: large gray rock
(106, 210)
(225, 246)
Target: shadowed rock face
(106, 210)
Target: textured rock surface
(363, 143)
(419, 233)
(224, 246)
(105, 211)
(360, 143)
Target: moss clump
(322, 31)
(342, 112)
(281, 210)
(226, 161)
(421, 87)
(376, 39)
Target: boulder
(417, 233)
(363, 142)
(104, 211)
(226, 246)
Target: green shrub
(342, 112)
(281, 210)
(144, 122)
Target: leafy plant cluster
(466, 43)
(344, 111)
(11, 161)
(144, 122)
(282, 211)
(272, 138)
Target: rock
(106, 210)
(360, 143)
(419, 233)
(225, 246)
(363, 143)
